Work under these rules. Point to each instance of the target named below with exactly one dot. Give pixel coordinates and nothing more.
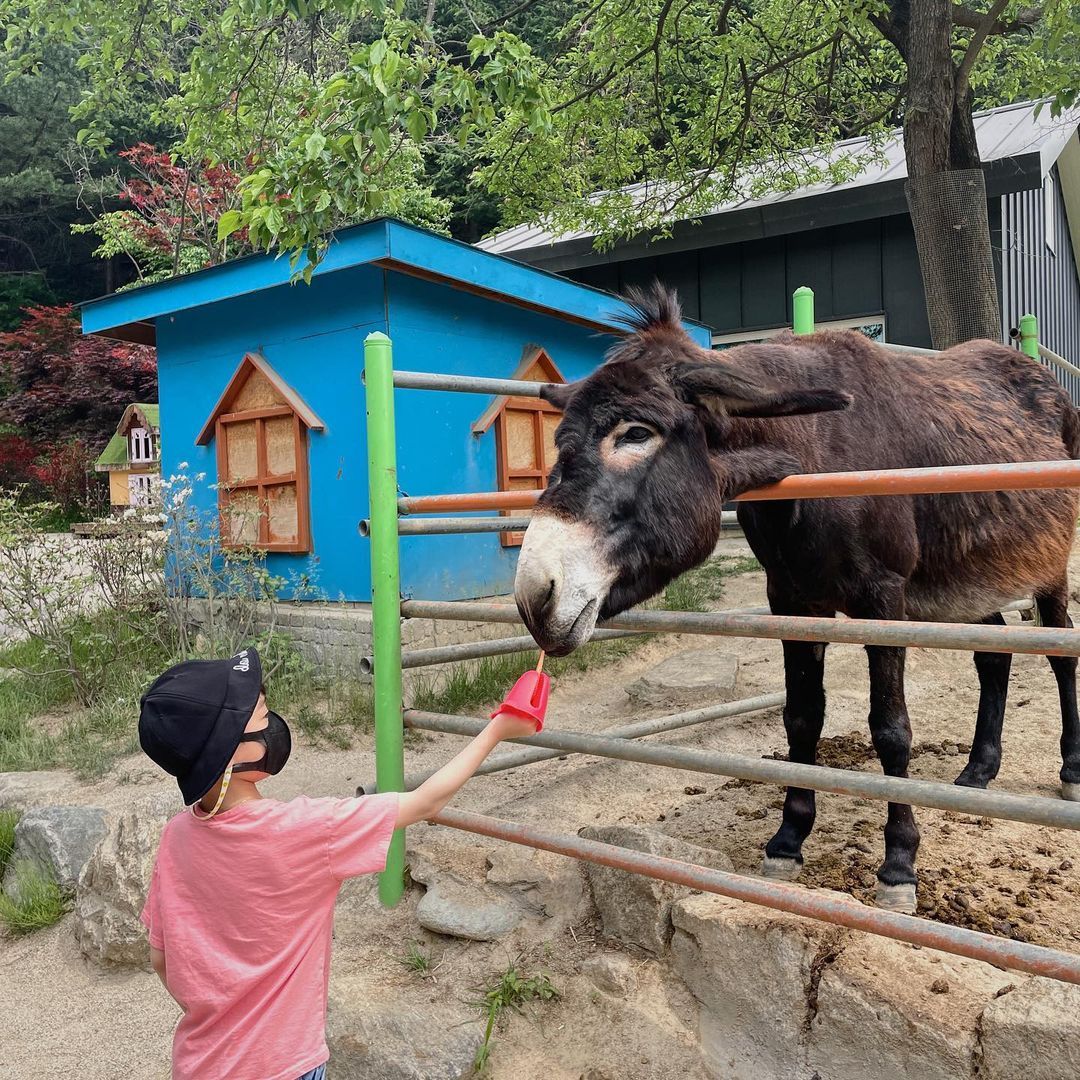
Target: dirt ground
(65, 1018)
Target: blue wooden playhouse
(260, 388)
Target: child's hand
(510, 726)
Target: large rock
(922, 1008)
(750, 969)
(113, 886)
(395, 1039)
(23, 790)
(1032, 1033)
(549, 884)
(461, 909)
(59, 839)
(689, 678)
(633, 909)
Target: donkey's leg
(804, 715)
(985, 757)
(1054, 611)
(891, 733)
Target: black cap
(193, 715)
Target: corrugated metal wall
(1039, 279)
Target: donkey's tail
(1070, 432)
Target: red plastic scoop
(528, 697)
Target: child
(241, 903)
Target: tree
(168, 223)
(333, 104)
(703, 101)
(64, 386)
(338, 110)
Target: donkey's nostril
(549, 596)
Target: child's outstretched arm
(437, 790)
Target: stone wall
(337, 635)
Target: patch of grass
(8, 820)
(38, 901)
(327, 706)
(698, 589)
(419, 962)
(512, 990)
(415, 959)
(483, 682)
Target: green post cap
(802, 310)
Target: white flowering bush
(148, 588)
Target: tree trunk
(946, 190)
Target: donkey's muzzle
(562, 579)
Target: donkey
(656, 440)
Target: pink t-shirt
(242, 905)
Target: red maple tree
(172, 200)
(62, 386)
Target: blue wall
(313, 337)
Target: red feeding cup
(528, 698)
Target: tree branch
(974, 20)
(971, 54)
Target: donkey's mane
(654, 308)
(655, 325)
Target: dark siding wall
(860, 269)
(1038, 280)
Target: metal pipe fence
(947, 480)
(477, 650)
(641, 729)
(466, 384)
(1002, 952)
(1031, 809)
(975, 637)
(617, 743)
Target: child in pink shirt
(241, 903)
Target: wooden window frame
(539, 475)
(264, 480)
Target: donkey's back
(977, 403)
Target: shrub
(17, 456)
(61, 384)
(66, 476)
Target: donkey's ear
(720, 385)
(558, 394)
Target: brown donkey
(657, 439)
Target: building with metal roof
(852, 242)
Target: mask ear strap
(220, 799)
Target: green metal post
(1029, 336)
(385, 593)
(802, 310)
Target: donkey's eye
(636, 434)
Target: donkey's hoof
(1070, 792)
(898, 898)
(779, 868)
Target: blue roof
(385, 242)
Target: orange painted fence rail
(952, 479)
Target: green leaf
(228, 223)
(323, 202)
(313, 145)
(416, 124)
